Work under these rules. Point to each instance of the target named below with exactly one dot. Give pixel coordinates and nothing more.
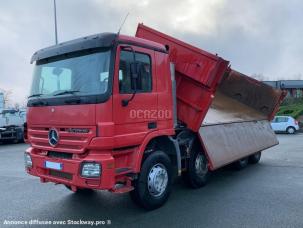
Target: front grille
(60, 174)
(69, 141)
(62, 155)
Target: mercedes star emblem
(53, 137)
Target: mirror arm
(125, 102)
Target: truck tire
(81, 191)
(255, 158)
(197, 173)
(19, 135)
(240, 164)
(291, 130)
(153, 186)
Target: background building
(294, 88)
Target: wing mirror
(134, 71)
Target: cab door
(139, 117)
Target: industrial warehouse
(294, 88)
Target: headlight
(27, 160)
(91, 169)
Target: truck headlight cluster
(91, 170)
(28, 160)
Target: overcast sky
(257, 37)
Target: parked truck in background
(11, 125)
(11, 122)
(129, 114)
(1, 101)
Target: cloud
(261, 37)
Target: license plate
(53, 165)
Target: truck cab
(94, 104)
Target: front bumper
(71, 170)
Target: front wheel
(153, 186)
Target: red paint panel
(106, 181)
(197, 75)
(192, 106)
(189, 60)
(62, 115)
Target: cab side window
(144, 81)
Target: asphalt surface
(269, 194)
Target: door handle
(152, 125)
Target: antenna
(55, 17)
(123, 23)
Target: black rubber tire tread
(255, 158)
(141, 195)
(190, 177)
(240, 164)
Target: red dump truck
(130, 114)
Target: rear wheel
(241, 164)
(290, 130)
(153, 186)
(255, 158)
(197, 174)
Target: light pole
(55, 15)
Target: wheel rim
(291, 130)
(157, 180)
(200, 166)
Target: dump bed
(197, 75)
(208, 91)
(240, 98)
(230, 110)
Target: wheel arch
(163, 142)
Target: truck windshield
(78, 75)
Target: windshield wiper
(35, 95)
(66, 92)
